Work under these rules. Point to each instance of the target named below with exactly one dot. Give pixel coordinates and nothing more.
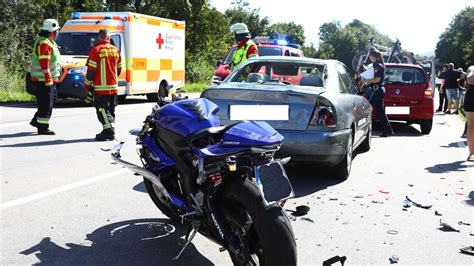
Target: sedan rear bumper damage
(327, 148)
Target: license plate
(397, 110)
(273, 182)
(259, 112)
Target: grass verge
(12, 87)
(196, 87)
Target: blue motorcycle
(220, 181)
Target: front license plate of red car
(397, 110)
(273, 182)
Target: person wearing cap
(376, 83)
(45, 70)
(104, 65)
(246, 48)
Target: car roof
(403, 65)
(292, 59)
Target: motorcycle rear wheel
(269, 238)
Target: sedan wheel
(343, 169)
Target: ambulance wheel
(158, 97)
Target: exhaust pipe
(139, 170)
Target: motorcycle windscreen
(273, 182)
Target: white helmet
(50, 25)
(239, 28)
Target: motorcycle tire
(270, 236)
(160, 202)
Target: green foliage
(13, 87)
(456, 44)
(293, 32)
(198, 68)
(241, 12)
(342, 43)
(196, 87)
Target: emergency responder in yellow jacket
(45, 70)
(103, 68)
(246, 48)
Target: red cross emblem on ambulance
(159, 41)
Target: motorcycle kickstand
(194, 230)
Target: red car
(409, 96)
(266, 47)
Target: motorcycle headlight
(77, 70)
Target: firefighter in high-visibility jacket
(103, 68)
(246, 48)
(45, 70)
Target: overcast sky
(417, 23)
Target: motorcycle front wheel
(261, 234)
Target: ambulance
(152, 51)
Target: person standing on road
(443, 100)
(45, 70)
(246, 48)
(462, 87)
(469, 110)
(451, 77)
(376, 83)
(103, 67)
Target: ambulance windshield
(76, 43)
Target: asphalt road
(63, 202)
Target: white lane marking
(61, 189)
(24, 123)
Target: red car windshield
(404, 75)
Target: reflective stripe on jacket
(46, 61)
(240, 54)
(104, 61)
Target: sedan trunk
(282, 108)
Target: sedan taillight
(323, 114)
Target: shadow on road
(443, 168)
(47, 143)
(17, 135)
(401, 129)
(455, 144)
(133, 242)
(470, 201)
(308, 179)
(140, 187)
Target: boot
(45, 131)
(106, 134)
(34, 123)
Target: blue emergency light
(108, 15)
(76, 15)
(282, 42)
(76, 77)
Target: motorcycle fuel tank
(188, 116)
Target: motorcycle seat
(207, 132)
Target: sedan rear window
(404, 75)
(283, 73)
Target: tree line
(207, 31)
